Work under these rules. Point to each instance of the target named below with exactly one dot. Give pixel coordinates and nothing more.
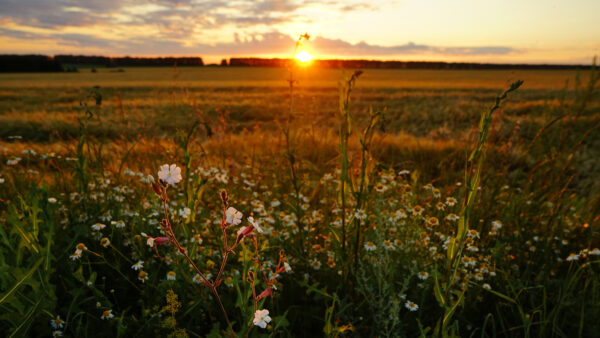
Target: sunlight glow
(303, 56)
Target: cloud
(341, 47)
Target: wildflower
(261, 318)
(57, 323)
(404, 172)
(436, 193)
(452, 217)
(287, 267)
(107, 314)
(315, 264)
(433, 221)
(105, 242)
(381, 188)
(52, 200)
(1, 180)
(487, 286)
(360, 214)
(142, 276)
(185, 213)
(138, 265)
(255, 225)
(76, 255)
(388, 245)
(411, 306)
(370, 246)
(57, 333)
(573, 257)
(423, 275)
(595, 252)
(417, 210)
(13, 161)
(171, 275)
(496, 225)
(98, 226)
(118, 224)
(451, 201)
(197, 279)
(233, 216)
(275, 203)
(170, 174)
(106, 216)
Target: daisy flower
(142, 276)
(98, 226)
(423, 275)
(370, 246)
(57, 323)
(255, 225)
(137, 266)
(411, 306)
(388, 245)
(105, 242)
(171, 275)
(107, 314)
(360, 214)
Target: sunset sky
(530, 31)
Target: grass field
(399, 213)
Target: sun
(303, 56)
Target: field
(392, 203)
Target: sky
(507, 31)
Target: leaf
(20, 282)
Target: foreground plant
(171, 175)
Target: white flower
(261, 318)
(572, 257)
(287, 267)
(423, 275)
(197, 279)
(370, 246)
(150, 241)
(234, 217)
(107, 314)
(595, 252)
(171, 275)
(360, 214)
(1, 180)
(496, 225)
(185, 212)
(13, 161)
(57, 323)
(98, 226)
(452, 217)
(411, 305)
(316, 264)
(388, 245)
(51, 200)
(170, 174)
(76, 255)
(118, 224)
(105, 242)
(57, 333)
(255, 225)
(275, 203)
(404, 172)
(487, 286)
(138, 265)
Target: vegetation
(385, 203)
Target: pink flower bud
(265, 293)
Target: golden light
(303, 56)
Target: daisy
(138, 265)
(417, 210)
(261, 318)
(423, 275)
(107, 314)
(118, 224)
(595, 252)
(370, 246)
(57, 333)
(452, 217)
(411, 306)
(171, 275)
(57, 323)
(105, 242)
(360, 214)
(487, 286)
(170, 174)
(233, 216)
(142, 276)
(315, 264)
(98, 226)
(287, 267)
(451, 201)
(52, 200)
(388, 245)
(197, 279)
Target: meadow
(388, 203)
